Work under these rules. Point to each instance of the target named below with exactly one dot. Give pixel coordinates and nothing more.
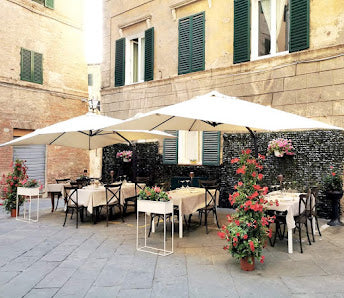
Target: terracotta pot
(14, 212)
(245, 265)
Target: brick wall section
(313, 89)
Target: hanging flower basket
(280, 147)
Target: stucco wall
(326, 30)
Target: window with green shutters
(299, 25)
(191, 43)
(31, 67)
(242, 30)
(120, 62)
(266, 28)
(149, 54)
(211, 148)
(170, 154)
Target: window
(191, 44)
(46, 3)
(264, 28)
(192, 147)
(134, 58)
(270, 26)
(31, 69)
(90, 79)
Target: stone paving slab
(45, 259)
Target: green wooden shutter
(37, 74)
(90, 79)
(197, 42)
(120, 62)
(25, 67)
(211, 148)
(149, 54)
(242, 29)
(299, 25)
(184, 46)
(170, 155)
(49, 3)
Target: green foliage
(14, 179)
(153, 194)
(333, 182)
(247, 229)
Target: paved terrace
(46, 260)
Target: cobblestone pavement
(45, 259)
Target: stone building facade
(308, 82)
(43, 77)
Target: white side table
(28, 193)
(155, 207)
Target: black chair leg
(120, 210)
(57, 203)
(77, 217)
(311, 221)
(309, 239)
(215, 213)
(299, 228)
(316, 220)
(65, 217)
(206, 221)
(150, 225)
(107, 215)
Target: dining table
(56, 189)
(287, 202)
(95, 195)
(188, 200)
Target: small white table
(27, 192)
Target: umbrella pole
(254, 136)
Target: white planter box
(28, 191)
(155, 207)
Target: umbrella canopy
(85, 132)
(218, 112)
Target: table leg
(52, 195)
(290, 241)
(180, 222)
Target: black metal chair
(302, 218)
(73, 203)
(280, 220)
(210, 201)
(59, 194)
(132, 201)
(311, 209)
(113, 199)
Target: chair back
(113, 193)
(210, 198)
(304, 204)
(72, 195)
(141, 180)
(65, 180)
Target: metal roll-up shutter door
(35, 160)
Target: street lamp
(93, 104)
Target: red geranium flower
(235, 160)
(251, 245)
(245, 236)
(222, 235)
(260, 176)
(262, 259)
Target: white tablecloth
(92, 196)
(287, 202)
(57, 187)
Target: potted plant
(154, 200)
(125, 155)
(10, 182)
(279, 147)
(247, 229)
(333, 187)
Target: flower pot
(278, 153)
(245, 265)
(14, 212)
(335, 197)
(126, 159)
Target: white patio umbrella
(85, 132)
(218, 112)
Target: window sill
(270, 56)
